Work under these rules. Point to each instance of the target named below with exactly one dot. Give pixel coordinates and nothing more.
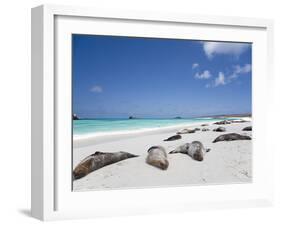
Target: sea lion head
(157, 157)
(198, 155)
(197, 150)
(82, 169)
(164, 165)
(161, 164)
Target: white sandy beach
(227, 162)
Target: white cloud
(96, 89)
(223, 79)
(213, 48)
(205, 75)
(220, 80)
(242, 70)
(238, 70)
(195, 65)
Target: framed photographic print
(138, 113)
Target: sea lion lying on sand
(157, 157)
(175, 137)
(185, 131)
(97, 161)
(205, 129)
(231, 136)
(238, 120)
(248, 128)
(219, 129)
(195, 150)
(224, 122)
(205, 124)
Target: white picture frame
(52, 197)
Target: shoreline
(99, 137)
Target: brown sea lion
(248, 128)
(231, 137)
(224, 122)
(157, 157)
(205, 129)
(238, 121)
(185, 131)
(219, 129)
(97, 161)
(195, 150)
(175, 137)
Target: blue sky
(115, 77)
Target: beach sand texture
(227, 162)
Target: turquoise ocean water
(94, 126)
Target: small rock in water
(219, 129)
(231, 137)
(175, 137)
(248, 128)
(75, 117)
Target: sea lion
(157, 157)
(185, 131)
(175, 137)
(224, 122)
(238, 120)
(205, 124)
(197, 129)
(205, 129)
(248, 128)
(219, 129)
(97, 161)
(231, 137)
(195, 150)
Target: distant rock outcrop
(132, 117)
(75, 117)
(178, 117)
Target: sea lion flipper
(178, 151)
